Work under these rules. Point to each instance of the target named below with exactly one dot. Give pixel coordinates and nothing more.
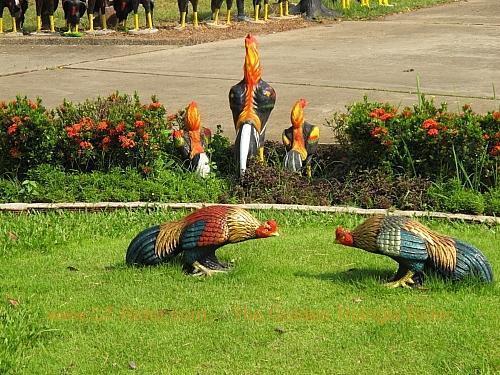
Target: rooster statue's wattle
(251, 102)
(416, 248)
(193, 139)
(196, 237)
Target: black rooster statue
(183, 10)
(300, 140)
(73, 12)
(97, 6)
(193, 139)
(215, 6)
(257, 8)
(124, 7)
(416, 248)
(196, 237)
(44, 9)
(251, 102)
(17, 10)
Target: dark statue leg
(202, 263)
(406, 278)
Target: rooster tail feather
(293, 161)
(470, 261)
(141, 250)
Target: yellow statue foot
(201, 270)
(405, 282)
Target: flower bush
(425, 140)
(27, 135)
(117, 131)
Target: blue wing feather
(413, 247)
(192, 234)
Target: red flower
(497, 135)
(32, 105)
(102, 125)
(84, 145)
(377, 112)
(139, 124)
(496, 116)
(486, 137)
(120, 128)
(87, 123)
(172, 117)
(12, 129)
(14, 152)
(131, 134)
(16, 120)
(155, 105)
(378, 132)
(495, 151)
(73, 131)
(406, 113)
(126, 142)
(105, 143)
(145, 137)
(430, 124)
(433, 132)
(386, 116)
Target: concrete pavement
(454, 49)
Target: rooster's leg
(405, 278)
(212, 262)
(200, 270)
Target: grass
(293, 303)
(167, 12)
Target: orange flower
(120, 128)
(73, 131)
(131, 134)
(126, 142)
(466, 107)
(102, 125)
(145, 137)
(14, 152)
(16, 120)
(433, 132)
(87, 123)
(172, 117)
(486, 137)
(155, 105)
(430, 124)
(84, 145)
(32, 105)
(406, 113)
(386, 116)
(495, 151)
(378, 132)
(12, 129)
(3, 105)
(496, 116)
(139, 124)
(105, 143)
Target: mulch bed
(168, 35)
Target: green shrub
(27, 135)
(493, 201)
(425, 141)
(453, 197)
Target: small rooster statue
(183, 10)
(44, 8)
(251, 102)
(17, 10)
(300, 140)
(197, 236)
(73, 12)
(193, 139)
(124, 7)
(416, 248)
(97, 6)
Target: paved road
(454, 49)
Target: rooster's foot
(201, 270)
(406, 281)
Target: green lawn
(167, 12)
(293, 303)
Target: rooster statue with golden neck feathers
(300, 140)
(416, 248)
(251, 102)
(193, 139)
(196, 237)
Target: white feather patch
(203, 167)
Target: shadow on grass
(351, 276)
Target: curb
(112, 206)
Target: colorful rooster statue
(17, 10)
(251, 102)
(73, 12)
(197, 237)
(416, 248)
(300, 140)
(193, 139)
